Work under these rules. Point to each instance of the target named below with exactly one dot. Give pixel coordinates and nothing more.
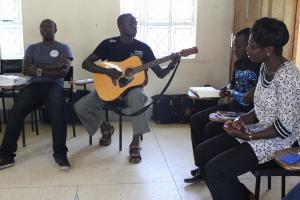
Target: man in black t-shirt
(90, 108)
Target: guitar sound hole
(124, 81)
(128, 73)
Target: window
(165, 25)
(11, 29)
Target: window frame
(11, 22)
(171, 24)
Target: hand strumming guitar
(113, 73)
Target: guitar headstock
(189, 51)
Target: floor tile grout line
(82, 185)
(154, 133)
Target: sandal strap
(109, 131)
(132, 147)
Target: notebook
(290, 158)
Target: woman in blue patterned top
(273, 124)
(243, 82)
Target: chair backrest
(69, 76)
(11, 66)
(69, 91)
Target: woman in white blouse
(272, 125)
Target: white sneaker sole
(6, 166)
(64, 168)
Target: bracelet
(250, 137)
(39, 72)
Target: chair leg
(0, 124)
(4, 110)
(74, 130)
(73, 125)
(23, 136)
(90, 140)
(120, 132)
(282, 186)
(269, 182)
(257, 187)
(32, 121)
(106, 115)
(36, 122)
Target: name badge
(54, 53)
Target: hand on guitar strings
(114, 74)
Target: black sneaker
(194, 179)
(6, 161)
(63, 162)
(194, 172)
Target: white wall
(84, 23)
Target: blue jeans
(52, 96)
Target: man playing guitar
(90, 108)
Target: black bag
(172, 108)
(69, 112)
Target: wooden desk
(82, 82)
(293, 167)
(12, 88)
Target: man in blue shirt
(46, 63)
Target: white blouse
(276, 102)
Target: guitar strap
(138, 112)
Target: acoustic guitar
(133, 74)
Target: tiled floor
(103, 173)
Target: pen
(291, 152)
(194, 93)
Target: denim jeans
(52, 96)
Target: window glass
(165, 25)
(11, 29)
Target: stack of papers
(84, 81)
(12, 80)
(204, 92)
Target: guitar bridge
(124, 81)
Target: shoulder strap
(161, 93)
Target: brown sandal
(106, 137)
(134, 154)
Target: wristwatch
(39, 72)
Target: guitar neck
(153, 63)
